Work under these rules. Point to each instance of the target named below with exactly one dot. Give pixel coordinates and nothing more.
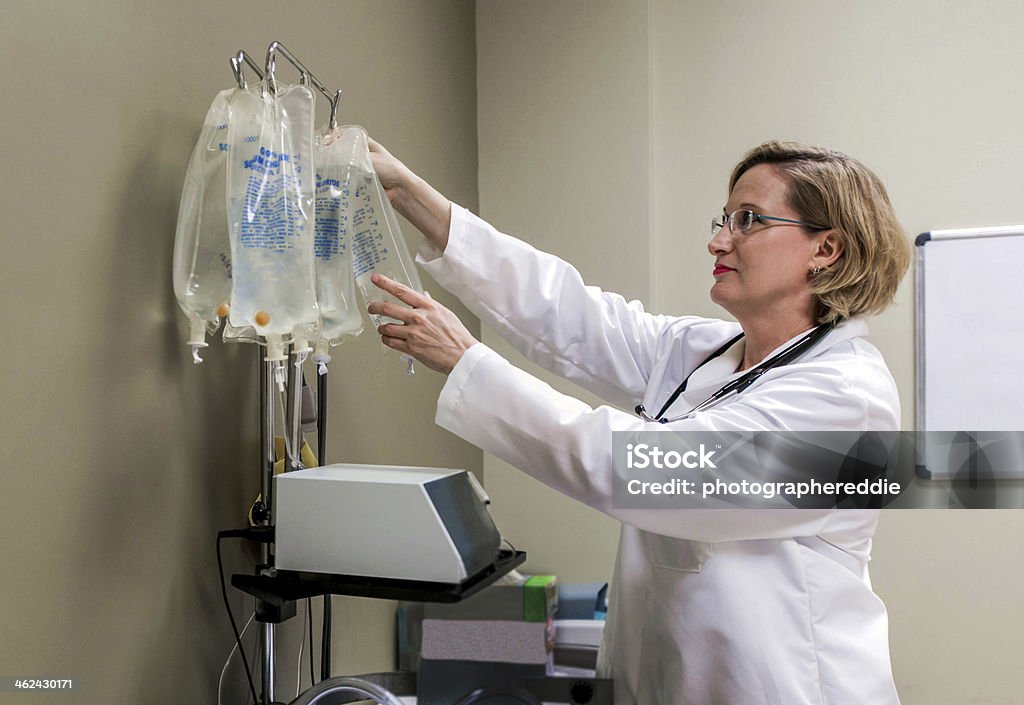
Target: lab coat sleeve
(567, 445)
(540, 304)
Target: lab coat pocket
(679, 554)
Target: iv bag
(377, 243)
(232, 334)
(202, 249)
(270, 208)
(335, 287)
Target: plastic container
(271, 214)
(372, 226)
(202, 249)
(340, 314)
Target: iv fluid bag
(335, 288)
(202, 249)
(377, 243)
(270, 208)
(239, 335)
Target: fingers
(400, 291)
(395, 343)
(393, 310)
(430, 332)
(393, 330)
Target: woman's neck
(765, 335)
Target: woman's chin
(719, 296)
(727, 302)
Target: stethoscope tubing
(738, 385)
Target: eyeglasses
(740, 221)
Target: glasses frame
(720, 221)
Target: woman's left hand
(428, 331)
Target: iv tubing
(267, 436)
(295, 402)
(321, 417)
(283, 402)
(290, 446)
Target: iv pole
(263, 512)
(266, 584)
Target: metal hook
(236, 68)
(306, 76)
(335, 101)
(272, 51)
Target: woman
(769, 606)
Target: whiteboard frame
(920, 393)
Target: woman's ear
(830, 248)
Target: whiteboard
(969, 295)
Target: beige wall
(607, 132)
(564, 164)
(120, 459)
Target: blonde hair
(836, 192)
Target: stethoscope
(739, 384)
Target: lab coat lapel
(709, 378)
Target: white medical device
(381, 521)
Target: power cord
(302, 643)
(263, 534)
(227, 662)
(325, 640)
(309, 619)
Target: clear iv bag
(377, 243)
(270, 208)
(202, 249)
(335, 287)
(245, 334)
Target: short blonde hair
(836, 192)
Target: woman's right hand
(392, 173)
(419, 202)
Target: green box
(540, 598)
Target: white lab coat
(710, 606)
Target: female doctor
(712, 606)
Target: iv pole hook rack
(306, 76)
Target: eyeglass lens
(739, 221)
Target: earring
(817, 269)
